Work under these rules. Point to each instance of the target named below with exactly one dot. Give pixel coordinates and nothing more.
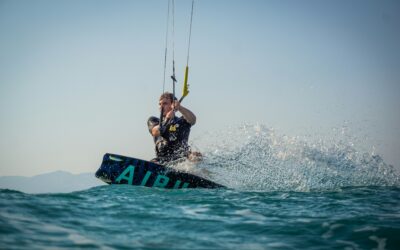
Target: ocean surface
(283, 193)
(126, 217)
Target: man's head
(165, 102)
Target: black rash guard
(173, 142)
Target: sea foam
(254, 157)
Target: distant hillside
(54, 182)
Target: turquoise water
(126, 217)
(283, 193)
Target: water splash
(254, 157)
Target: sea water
(283, 193)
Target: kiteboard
(118, 169)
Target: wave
(254, 157)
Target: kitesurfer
(172, 135)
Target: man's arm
(186, 113)
(155, 131)
(153, 125)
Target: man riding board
(172, 135)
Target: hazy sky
(80, 78)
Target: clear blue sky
(80, 78)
